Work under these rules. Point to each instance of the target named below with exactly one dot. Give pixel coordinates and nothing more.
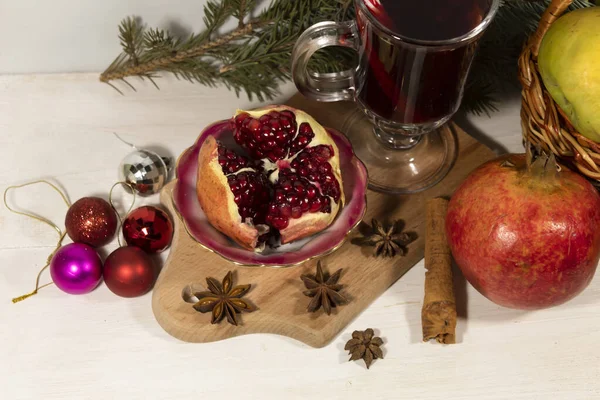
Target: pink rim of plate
(354, 176)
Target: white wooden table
(100, 346)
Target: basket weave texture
(543, 123)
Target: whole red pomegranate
(526, 235)
(288, 182)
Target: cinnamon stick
(438, 316)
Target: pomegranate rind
(217, 200)
(306, 225)
(310, 223)
(525, 238)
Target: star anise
(388, 241)
(223, 300)
(324, 290)
(364, 345)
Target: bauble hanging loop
(61, 234)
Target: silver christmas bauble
(145, 171)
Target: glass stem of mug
(396, 141)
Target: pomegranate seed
(293, 199)
(265, 134)
(275, 124)
(286, 123)
(327, 206)
(279, 196)
(305, 205)
(230, 161)
(299, 187)
(268, 135)
(241, 118)
(286, 186)
(254, 125)
(251, 194)
(305, 184)
(322, 151)
(288, 113)
(281, 137)
(296, 212)
(325, 168)
(315, 206)
(294, 196)
(285, 210)
(300, 143)
(312, 164)
(280, 223)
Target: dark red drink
(409, 81)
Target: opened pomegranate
(526, 235)
(287, 184)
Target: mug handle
(325, 87)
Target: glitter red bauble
(148, 228)
(91, 220)
(129, 272)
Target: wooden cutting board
(278, 292)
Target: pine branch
(179, 56)
(241, 10)
(216, 14)
(254, 57)
(241, 13)
(131, 37)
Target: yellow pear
(569, 63)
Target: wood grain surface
(278, 292)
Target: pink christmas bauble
(76, 268)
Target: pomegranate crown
(540, 163)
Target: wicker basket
(543, 123)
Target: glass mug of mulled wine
(413, 60)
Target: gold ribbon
(114, 208)
(61, 234)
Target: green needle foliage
(254, 57)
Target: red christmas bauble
(91, 220)
(129, 272)
(148, 228)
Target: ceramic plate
(354, 177)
